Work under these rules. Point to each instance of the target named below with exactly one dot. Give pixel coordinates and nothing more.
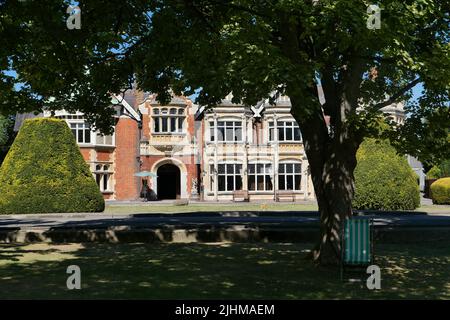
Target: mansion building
(195, 153)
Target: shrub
(434, 173)
(383, 179)
(6, 135)
(44, 171)
(440, 191)
(440, 171)
(6, 125)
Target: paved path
(191, 220)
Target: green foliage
(6, 135)
(434, 173)
(44, 171)
(440, 171)
(445, 168)
(215, 47)
(440, 191)
(5, 128)
(426, 132)
(383, 179)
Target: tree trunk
(332, 160)
(334, 185)
(331, 154)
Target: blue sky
(417, 91)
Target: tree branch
(379, 59)
(240, 8)
(397, 95)
(329, 91)
(200, 14)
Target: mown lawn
(195, 271)
(152, 207)
(156, 207)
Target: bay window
(211, 177)
(81, 131)
(260, 177)
(103, 140)
(227, 131)
(286, 131)
(289, 176)
(229, 177)
(212, 132)
(168, 120)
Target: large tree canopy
(248, 47)
(251, 48)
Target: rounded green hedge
(45, 172)
(440, 191)
(383, 179)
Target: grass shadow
(219, 271)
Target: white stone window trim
(157, 117)
(108, 174)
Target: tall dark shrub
(44, 171)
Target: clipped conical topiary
(383, 179)
(44, 171)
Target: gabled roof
(128, 108)
(175, 100)
(135, 97)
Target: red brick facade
(136, 147)
(172, 147)
(126, 160)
